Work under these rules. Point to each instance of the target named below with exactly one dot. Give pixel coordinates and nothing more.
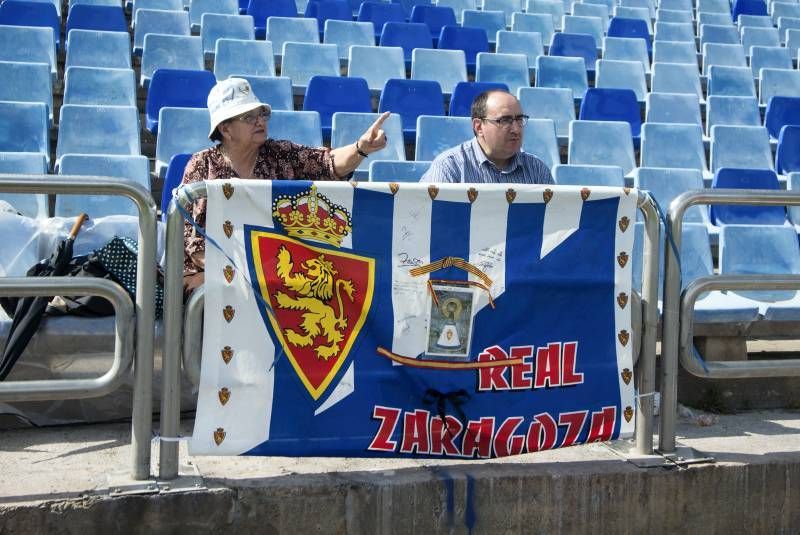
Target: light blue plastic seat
(90, 85)
(759, 21)
(158, 21)
(216, 26)
(198, 8)
(785, 9)
(674, 16)
(562, 71)
(712, 33)
(769, 57)
(541, 141)
(664, 184)
(600, 11)
(243, 57)
(649, 4)
(508, 7)
(347, 127)
(528, 43)
(785, 24)
(677, 5)
(740, 147)
(674, 31)
(283, 29)
(397, 171)
(90, 48)
(437, 134)
(376, 64)
(676, 78)
(274, 90)
(552, 103)
(24, 128)
(27, 82)
(167, 5)
(778, 82)
(673, 145)
(724, 55)
(622, 75)
(554, 8)
(593, 26)
(540, 23)
(673, 108)
(787, 153)
(675, 52)
(627, 49)
(301, 127)
(345, 34)
(715, 19)
(793, 42)
(510, 69)
(25, 163)
(793, 184)
(589, 175)
(578, 45)
(759, 37)
(636, 13)
(131, 169)
(732, 111)
(731, 81)
(302, 61)
(458, 7)
(490, 21)
(170, 52)
(448, 67)
(714, 6)
(29, 44)
(86, 129)
(601, 143)
(181, 130)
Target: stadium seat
(778, 82)
(759, 37)
(379, 13)
(27, 82)
(748, 7)
(793, 42)
(588, 175)
(731, 82)
(566, 72)
(714, 19)
(90, 85)
(769, 57)
(376, 64)
(784, 9)
(626, 49)
(630, 28)
(759, 21)
(785, 24)
(677, 146)
(198, 8)
(170, 51)
(172, 179)
(598, 11)
(541, 141)
(329, 10)
(731, 111)
(99, 18)
(411, 98)
(585, 26)
(532, 22)
(302, 61)
(98, 130)
(262, 10)
(176, 88)
(781, 111)
(527, 43)
(216, 26)
(348, 127)
(576, 45)
(728, 178)
(274, 90)
(672, 31)
(508, 7)
(676, 78)
(554, 8)
(787, 156)
(740, 147)
(283, 29)
(675, 52)
(437, 134)
(664, 184)
(549, 103)
(301, 127)
(25, 163)
(490, 21)
(345, 34)
(677, 5)
(31, 14)
(408, 5)
(132, 169)
(239, 57)
(408, 36)
(723, 55)
(182, 130)
(509, 69)
(448, 67)
(673, 108)
(434, 17)
(611, 104)
(648, 4)
(383, 171)
(35, 45)
(329, 94)
(90, 48)
(636, 13)
(713, 33)
(458, 7)
(601, 143)
(629, 75)
(158, 21)
(469, 40)
(24, 128)
(465, 92)
(674, 16)
(168, 5)
(793, 184)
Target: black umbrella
(29, 311)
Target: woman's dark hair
(215, 135)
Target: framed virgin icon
(450, 321)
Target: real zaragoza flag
(382, 319)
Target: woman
(239, 123)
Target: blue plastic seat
(601, 143)
(390, 171)
(509, 69)
(673, 108)
(554, 8)
(239, 57)
(329, 10)
(434, 17)
(90, 48)
(274, 90)
(27, 82)
(284, 29)
(793, 184)
(303, 61)
(100, 18)
(216, 26)
(376, 64)
(527, 43)
(610, 104)
(769, 57)
(181, 130)
(25, 163)
(576, 45)
(131, 169)
(740, 147)
(615, 74)
(731, 82)
(713, 33)
(508, 7)
(411, 98)
(90, 85)
(176, 88)
(778, 83)
(379, 13)
(32, 14)
(330, 94)
(490, 21)
(626, 49)
(465, 92)
(793, 41)
(98, 130)
(675, 52)
(759, 21)
(728, 178)
(732, 111)
(724, 55)
(748, 7)
(261, 10)
(630, 28)
(345, 34)
(158, 21)
(787, 156)
(673, 145)
(784, 25)
(302, 127)
(35, 45)
(347, 127)
(540, 140)
(198, 8)
(408, 36)
(170, 52)
(172, 179)
(781, 111)
(469, 40)
(549, 103)
(24, 127)
(562, 71)
(592, 26)
(408, 5)
(785, 10)
(664, 184)
(676, 78)
(448, 67)
(533, 22)
(636, 13)
(437, 134)
(588, 175)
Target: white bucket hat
(230, 98)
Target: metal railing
(142, 416)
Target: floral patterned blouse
(276, 160)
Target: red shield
(319, 299)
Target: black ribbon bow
(456, 398)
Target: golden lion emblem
(315, 288)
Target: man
(494, 155)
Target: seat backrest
(302, 61)
(181, 130)
(672, 15)
(566, 72)
(541, 23)
(376, 64)
(331, 10)
(383, 171)
(778, 82)
(176, 88)
(91, 85)
(527, 43)
(236, 57)
(379, 13)
(674, 31)
(696, 259)
(769, 57)
(610, 104)
(728, 178)
(448, 67)
(490, 21)
(508, 7)
(98, 130)
(554, 8)
(27, 82)
(24, 127)
(458, 7)
(585, 26)
(664, 184)
(261, 10)
(411, 98)
(173, 178)
(408, 5)
(434, 17)
(406, 35)
(437, 134)
(675, 52)
(714, 19)
(740, 147)
(759, 21)
(673, 145)
(275, 90)
(549, 103)
(25, 163)
(759, 37)
(628, 75)
(171, 5)
(132, 169)
(726, 55)
(793, 184)
(576, 45)
(785, 24)
(731, 81)
(673, 108)
(198, 8)
(100, 18)
(588, 175)
(599, 11)
(25, 43)
(170, 51)
(509, 69)
(649, 4)
(465, 92)
(345, 34)
(329, 94)
(301, 127)
(601, 143)
(786, 10)
(715, 6)
(31, 14)
(748, 7)
(630, 28)
(732, 111)
(541, 141)
(676, 78)
(639, 13)
(469, 40)
(626, 49)
(348, 127)
(158, 21)
(215, 26)
(283, 29)
(781, 111)
(713, 33)
(787, 156)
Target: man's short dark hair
(478, 110)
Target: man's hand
(374, 139)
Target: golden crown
(312, 216)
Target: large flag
(383, 319)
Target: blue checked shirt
(467, 163)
